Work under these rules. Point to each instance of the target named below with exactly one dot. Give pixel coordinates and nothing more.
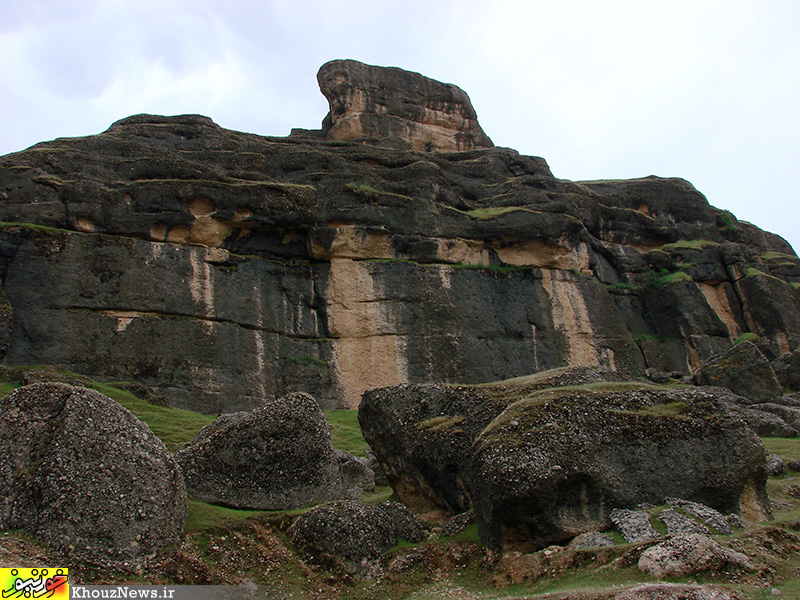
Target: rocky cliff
(220, 267)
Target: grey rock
(787, 369)
(353, 535)
(591, 539)
(794, 465)
(714, 519)
(775, 466)
(634, 525)
(688, 554)
(678, 524)
(765, 423)
(355, 473)
(556, 463)
(422, 434)
(82, 474)
(275, 457)
(744, 370)
(790, 414)
(458, 523)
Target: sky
(706, 90)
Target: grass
(346, 432)
(747, 336)
(690, 244)
(206, 516)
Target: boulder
(789, 414)
(679, 524)
(591, 539)
(82, 474)
(765, 423)
(744, 370)
(353, 535)
(775, 466)
(275, 457)
(787, 370)
(794, 465)
(422, 434)
(388, 104)
(688, 554)
(557, 463)
(356, 475)
(633, 525)
(714, 519)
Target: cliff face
(220, 267)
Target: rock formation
(82, 474)
(403, 109)
(219, 268)
(276, 457)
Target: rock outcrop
(353, 535)
(85, 476)
(557, 463)
(404, 109)
(275, 457)
(689, 554)
(744, 370)
(422, 435)
(219, 267)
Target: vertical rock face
(220, 267)
(400, 106)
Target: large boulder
(422, 434)
(275, 457)
(557, 463)
(82, 474)
(742, 369)
(688, 554)
(354, 535)
(390, 104)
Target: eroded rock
(275, 457)
(84, 475)
(743, 370)
(688, 554)
(387, 104)
(557, 463)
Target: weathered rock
(355, 473)
(333, 267)
(775, 466)
(794, 465)
(458, 523)
(634, 525)
(745, 371)
(764, 423)
(82, 474)
(591, 539)
(714, 519)
(787, 370)
(688, 554)
(422, 434)
(351, 534)
(790, 414)
(557, 463)
(275, 457)
(678, 524)
(648, 591)
(376, 468)
(393, 105)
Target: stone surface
(794, 465)
(714, 519)
(353, 535)
(218, 268)
(422, 434)
(688, 554)
(557, 463)
(402, 107)
(275, 457)
(679, 524)
(633, 525)
(649, 591)
(82, 474)
(775, 466)
(355, 473)
(743, 370)
(591, 539)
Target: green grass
(346, 432)
(205, 516)
(786, 448)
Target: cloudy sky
(702, 89)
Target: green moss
(779, 257)
(308, 361)
(727, 221)
(201, 516)
(663, 278)
(368, 190)
(747, 336)
(50, 231)
(690, 244)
